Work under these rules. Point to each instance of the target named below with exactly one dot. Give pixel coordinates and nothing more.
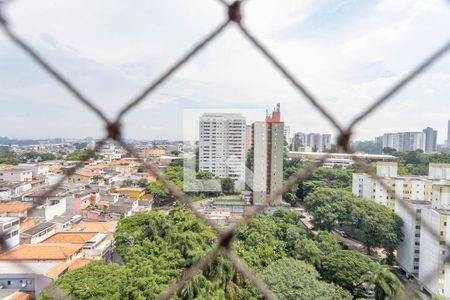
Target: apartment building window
(416, 267)
(418, 210)
(416, 251)
(442, 233)
(417, 234)
(416, 243)
(445, 223)
(417, 226)
(416, 259)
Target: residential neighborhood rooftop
(41, 252)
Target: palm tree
(386, 283)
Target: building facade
(268, 149)
(403, 141)
(430, 140)
(9, 232)
(422, 252)
(222, 145)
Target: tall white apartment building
(434, 270)
(268, 148)
(429, 140)
(222, 145)
(423, 251)
(408, 252)
(287, 134)
(406, 187)
(404, 141)
(448, 134)
(315, 142)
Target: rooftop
(15, 207)
(86, 173)
(94, 226)
(41, 252)
(38, 228)
(61, 219)
(228, 202)
(70, 238)
(7, 219)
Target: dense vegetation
(175, 172)
(417, 162)
(373, 224)
(158, 247)
(322, 177)
(8, 156)
(81, 155)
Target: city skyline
(328, 46)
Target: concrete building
(299, 142)
(222, 145)
(326, 142)
(311, 142)
(32, 267)
(408, 252)
(404, 141)
(430, 140)
(38, 233)
(439, 171)
(434, 271)
(151, 152)
(268, 148)
(19, 210)
(287, 135)
(448, 134)
(422, 252)
(406, 187)
(9, 232)
(16, 175)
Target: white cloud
(112, 49)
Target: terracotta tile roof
(57, 270)
(15, 207)
(86, 173)
(95, 167)
(78, 264)
(41, 252)
(94, 226)
(5, 166)
(70, 238)
(60, 268)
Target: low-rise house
(16, 174)
(13, 190)
(38, 233)
(53, 207)
(84, 199)
(130, 192)
(150, 177)
(19, 210)
(83, 177)
(9, 232)
(97, 245)
(32, 267)
(109, 226)
(63, 223)
(36, 169)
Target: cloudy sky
(346, 52)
